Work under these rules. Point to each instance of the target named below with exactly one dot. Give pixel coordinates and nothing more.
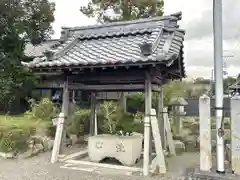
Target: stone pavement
(39, 168)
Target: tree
(121, 10)
(227, 82)
(21, 21)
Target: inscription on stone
(120, 147)
(99, 145)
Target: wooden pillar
(65, 111)
(161, 119)
(123, 101)
(205, 133)
(93, 112)
(95, 122)
(73, 96)
(147, 126)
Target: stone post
(235, 136)
(177, 120)
(205, 133)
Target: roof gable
(117, 43)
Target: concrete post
(205, 133)
(159, 161)
(169, 135)
(58, 137)
(235, 136)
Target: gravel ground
(39, 168)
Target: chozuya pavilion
(139, 55)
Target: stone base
(7, 155)
(197, 174)
(126, 149)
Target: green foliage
(15, 132)
(114, 119)
(127, 123)
(45, 110)
(77, 122)
(136, 102)
(120, 10)
(108, 111)
(20, 21)
(173, 89)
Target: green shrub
(14, 133)
(45, 110)
(15, 140)
(113, 119)
(78, 121)
(136, 102)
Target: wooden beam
(102, 87)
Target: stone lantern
(177, 104)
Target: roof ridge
(155, 37)
(176, 16)
(65, 49)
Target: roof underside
(116, 43)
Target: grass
(20, 121)
(16, 130)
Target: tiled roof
(116, 43)
(38, 50)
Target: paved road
(39, 168)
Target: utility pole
(218, 74)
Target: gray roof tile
(116, 43)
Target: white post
(58, 137)
(235, 134)
(161, 119)
(169, 135)
(147, 126)
(218, 75)
(159, 161)
(205, 133)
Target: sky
(196, 21)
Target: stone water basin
(126, 149)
